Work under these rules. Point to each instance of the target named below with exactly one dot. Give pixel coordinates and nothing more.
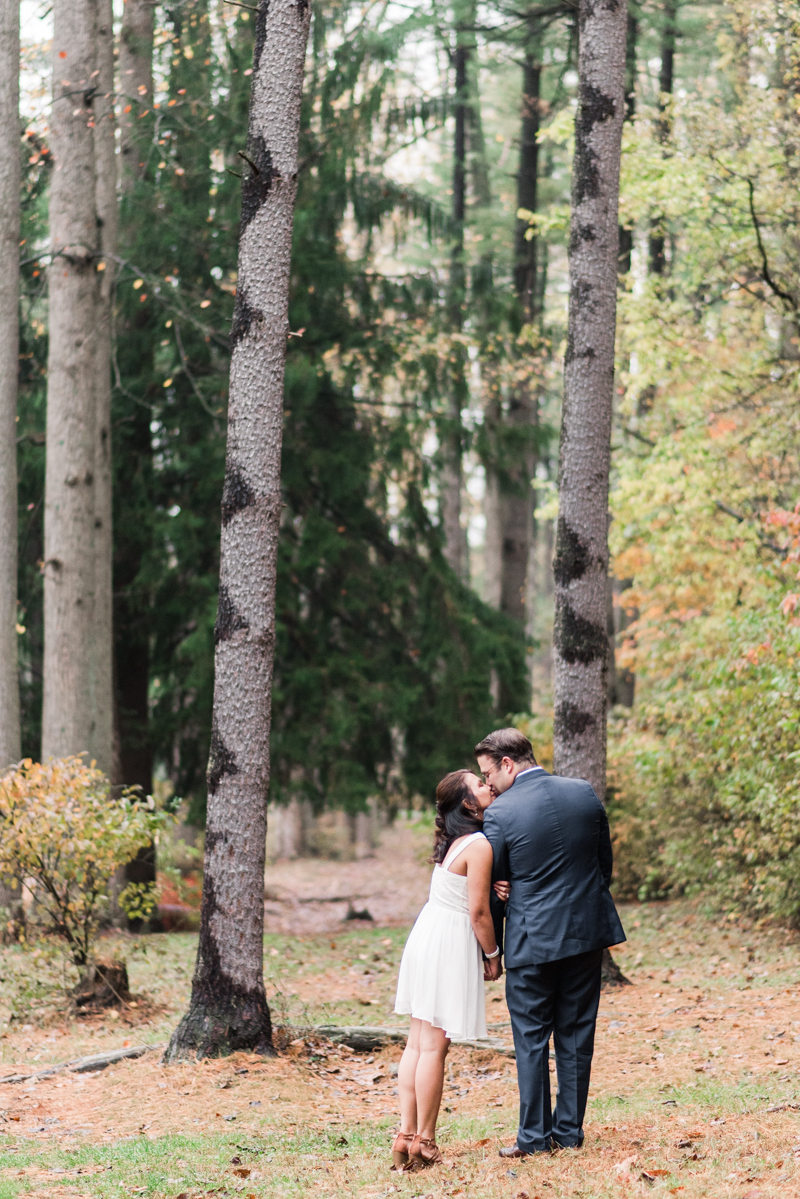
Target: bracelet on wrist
(496, 954)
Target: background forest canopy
(423, 388)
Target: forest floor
(695, 1089)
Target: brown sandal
(400, 1150)
(423, 1154)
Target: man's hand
(492, 969)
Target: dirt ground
(695, 1089)
(312, 895)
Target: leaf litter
(324, 1116)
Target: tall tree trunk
(11, 914)
(228, 1007)
(132, 648)
(632, 36)
(516, 502)
(483, 269)
(10, 750)
(621, 682)
(656, 241)
(133, 467)
(135, 83)
(452, 430)
(102, 643)
(525, 250)
(70, 491)
(580, 650)
(510, 500)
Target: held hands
(492, 970)
(502, 890)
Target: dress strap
(447, 863)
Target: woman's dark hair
(456, 813)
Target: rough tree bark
(228, 1008)
(656, 240)
(135, 81)
(452, 431)
(632, 36)
(10, 750)
(70, 503)
(580, 567)
(102, 643)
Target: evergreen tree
(365, 602)
(383, 657)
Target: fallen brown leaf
(623, 1169)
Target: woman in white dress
(442, 972)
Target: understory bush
(64, 832)
(704, 781)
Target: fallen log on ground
(84, 1065)
(359, 1037)
(364, 1039)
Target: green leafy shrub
(64, 833)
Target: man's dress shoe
(513, 1151)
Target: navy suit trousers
(559, 998)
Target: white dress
(441, 972)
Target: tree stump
(610, 974)
(104, 984)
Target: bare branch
(765, 271)
(742, 519)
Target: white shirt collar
(529, 770)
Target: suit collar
(527, 776)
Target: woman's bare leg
(429, 1076)
(406, 1075)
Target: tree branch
(639, 436)
(765, 271)
(742, 519)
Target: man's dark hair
(506, 743)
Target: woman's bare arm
(478, 859)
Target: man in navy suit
(551, 842)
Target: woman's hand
(492, 970)
(502, 890)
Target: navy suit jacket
(551, 841)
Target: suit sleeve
(500, 871)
